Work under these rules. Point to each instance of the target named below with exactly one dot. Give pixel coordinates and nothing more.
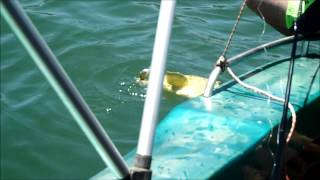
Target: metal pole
(151, 106)
(217, 70)
(59, 80)
(211, 81)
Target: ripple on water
(102, 45)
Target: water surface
(103, 45)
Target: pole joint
(141, 169)
(222, 63)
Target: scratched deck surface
(199, 137)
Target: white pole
(211, 81)
(151, 105)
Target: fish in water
(180, 84)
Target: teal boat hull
(202, 136)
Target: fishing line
(270, 136)
(264, 25)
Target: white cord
(262, 92)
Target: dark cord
(278, 166)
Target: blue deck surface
(199, 137)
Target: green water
(103, 45)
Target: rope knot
(222, 63)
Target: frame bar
(61, 83)
(152, 102)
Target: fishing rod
(277, 170)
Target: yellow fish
(180, 84)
